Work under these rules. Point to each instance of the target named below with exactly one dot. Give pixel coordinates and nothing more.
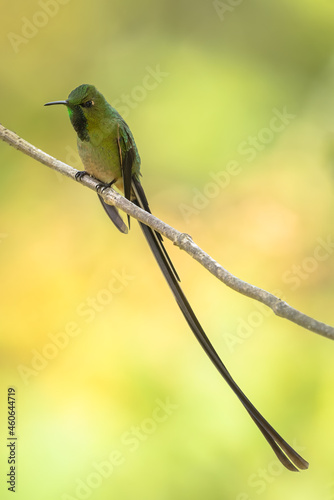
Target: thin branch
(182, 240)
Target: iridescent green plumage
(109, 153)
(104, 139)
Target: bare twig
(182, 240)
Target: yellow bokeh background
(231, 105)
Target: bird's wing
(127, 154)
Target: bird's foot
(79, 175)
(101, 186)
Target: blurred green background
(231, 105)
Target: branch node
(183, 240)
(279, 307)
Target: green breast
(100, 156)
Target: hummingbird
(109, 153)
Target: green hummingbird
(109, 153)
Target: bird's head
(86, 107)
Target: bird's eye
(87, 104)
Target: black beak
(56, 102)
